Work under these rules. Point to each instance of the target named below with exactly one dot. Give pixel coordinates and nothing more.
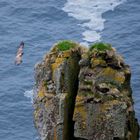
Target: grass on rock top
(100, 46)
(65, 45)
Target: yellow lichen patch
(54, 66)
(108, 105)
(66, 54)
(120, 77)
(114, 74)
(79, 98)
(59, 60)
(85, 56)
(84, 124)
(36, 113)
(57, 63)
(80, 110)
(41, 95)
(96, 62)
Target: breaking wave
(90, 13)
(29, 94)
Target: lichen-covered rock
(103, 103)
(56, 81)
(84, 95)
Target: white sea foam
(29, 94)
(90, 12)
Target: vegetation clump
(65, 45)
(100, 46)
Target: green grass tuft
(65, 45)
(100, 46)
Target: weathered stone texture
(84, 94)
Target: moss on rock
(100, 46)
(65, 45)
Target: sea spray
(29, 94)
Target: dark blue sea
(41, 23)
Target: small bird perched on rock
(18, 59)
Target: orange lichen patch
(55, 134)
(114, 74)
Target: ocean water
(42, 23)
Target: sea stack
(84, 94)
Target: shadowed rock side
(84, 94)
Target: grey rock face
(84, 95)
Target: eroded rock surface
(84, 94)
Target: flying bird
(19, 54)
